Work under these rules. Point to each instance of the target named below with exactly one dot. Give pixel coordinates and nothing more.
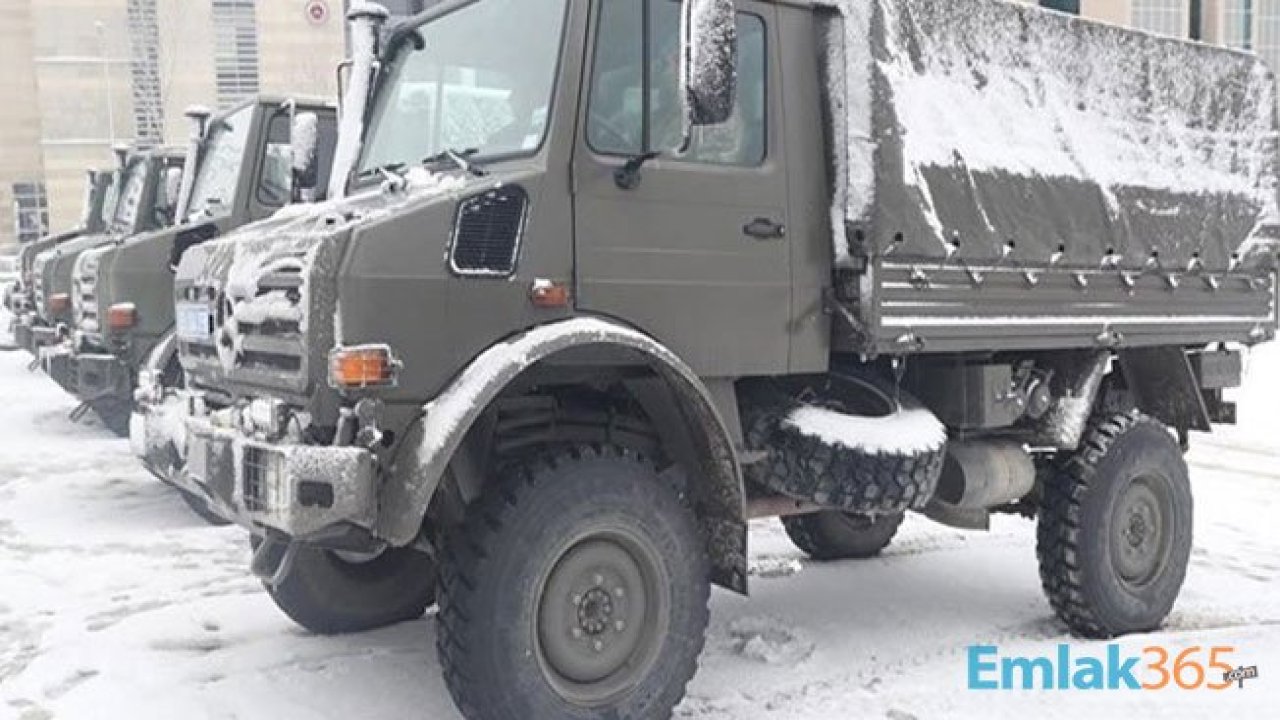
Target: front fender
(430, 443)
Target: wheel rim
(601, 615)
(1140, 531)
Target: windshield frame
(389, 64)
(143, 165)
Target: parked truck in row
(599, 281)
(146, 198)
(99, 203)
(239, 168)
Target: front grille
(486, 237)
(84, 293)
(37, 283)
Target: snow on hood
(289, 243)
(986, 86)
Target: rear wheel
(330, 593)
(831, 535)
(1114, 535)
(576, 588)
(114, 413)
(202, 509)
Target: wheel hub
(1141, 538)
(599, 618)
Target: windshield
(482, 82)
(221, 157)
(129, 198)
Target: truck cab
(143, 201)
(601, 280)
(122, 309)
(98, 205)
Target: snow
(116, 602)
(905, 432)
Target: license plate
(195, 322)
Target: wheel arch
(435, 438)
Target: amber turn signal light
(122, 316)
(363, 366)
(59, 302)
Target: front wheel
(576, 587)
(329, 593)
(1114, 533)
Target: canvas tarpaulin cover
(979, 127)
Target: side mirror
(709, 67)
(170, 188)
(302, 143)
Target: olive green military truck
(99, 204)
(146, 198)
(238, 169)
(601, 280)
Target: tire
(854, 480)
(832, 535)
(329, 595)
(114, 414)
(1115, 527)
(201, 508)
(546, 564)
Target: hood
(271, 287)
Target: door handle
(765, 229)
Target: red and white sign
(317, 11)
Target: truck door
(695, 251)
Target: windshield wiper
(460, 158)
(395, 167)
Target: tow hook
(81, 410)
(272, 560)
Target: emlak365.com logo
(1113, 668)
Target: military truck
(98, 205)
(238, 169)
(598, 286)
(147, 196)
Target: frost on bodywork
(984, 121)
(431, 443)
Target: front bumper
(31, 335)
(88, 376)
(318, 494)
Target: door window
(635, 102)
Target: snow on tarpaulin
(987, 121)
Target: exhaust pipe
(198, 119)
(366, 20)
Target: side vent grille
(486, 237)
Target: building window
(1252, 25)
(30, 211)
(144, 46)
(1066, 6)
(1237, 24)
(235, 49)
(1165, 17)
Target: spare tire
(855, 443)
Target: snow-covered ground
(116, 602)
